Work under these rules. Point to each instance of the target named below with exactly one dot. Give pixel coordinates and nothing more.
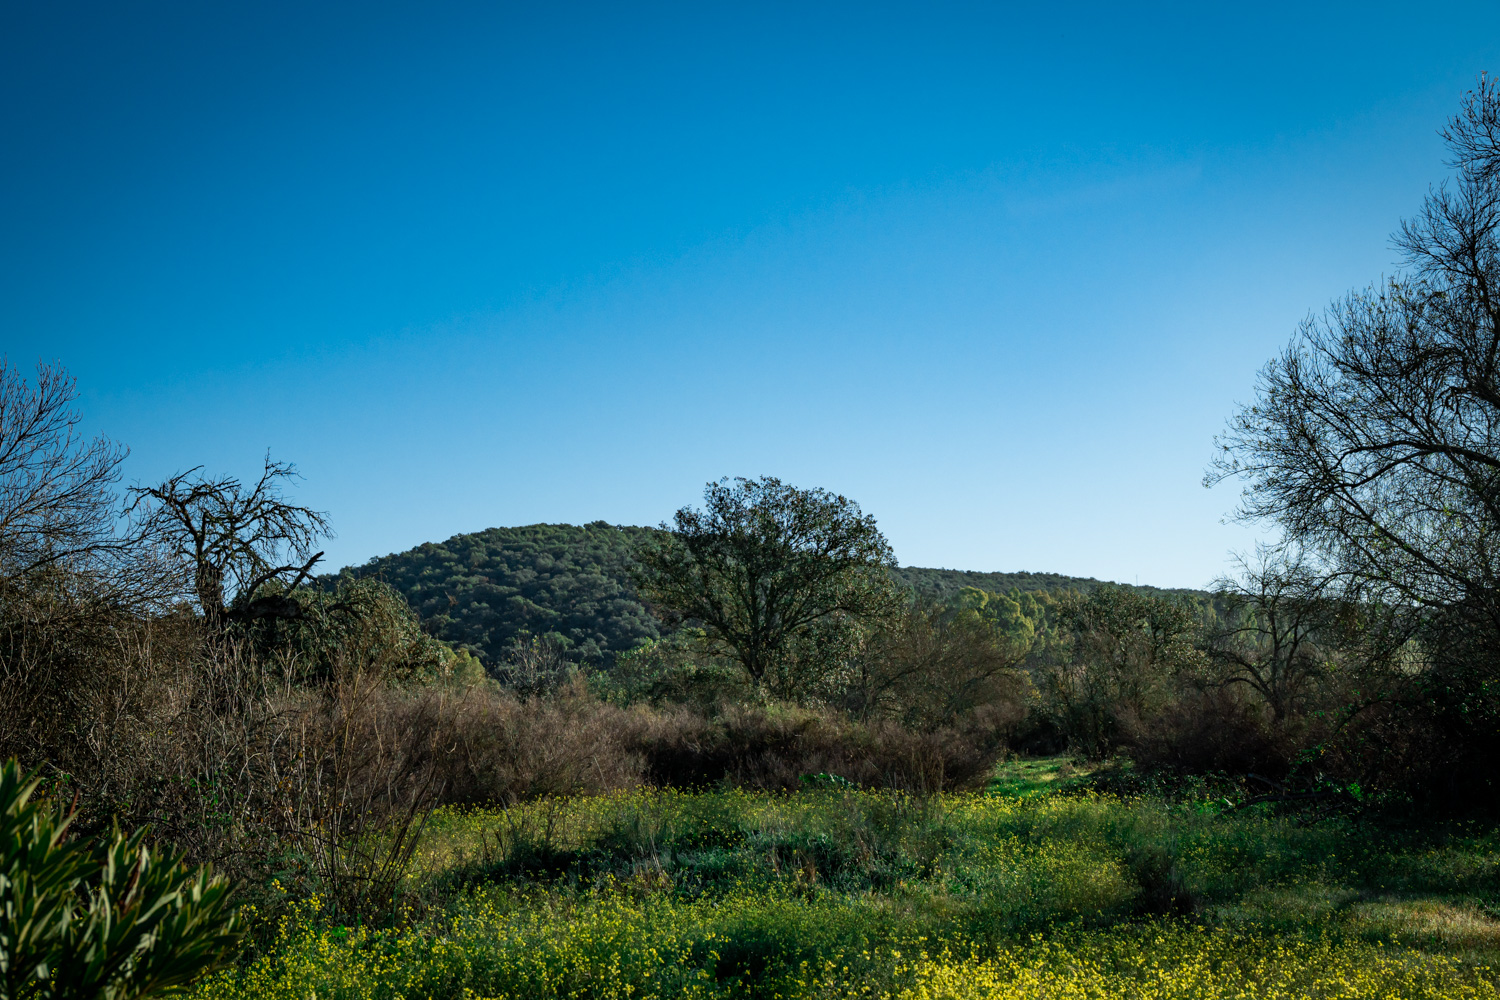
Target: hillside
(571, 582)
(485, 590)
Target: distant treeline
(944, 584)
(571, 585)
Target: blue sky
(999, 273)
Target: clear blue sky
(997, 272)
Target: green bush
(111, 919)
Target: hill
(486, 590)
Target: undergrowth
(838, 892)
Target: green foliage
(356, 619)
(942, 585)
(781, 579)
(837, 892)
(112, 920)
(1122, 657)
(931, 666)
(486, 591)
(675, 670)
(1023, 619)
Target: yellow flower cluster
(617, 948)
(611, 948)
(1167, 963)
(968, 881)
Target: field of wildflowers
(833, 892)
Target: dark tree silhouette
(1374, 442)
(235, 542)
(1375, 437)
(57, 488)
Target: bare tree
(57, 488)
(1374, 442)
(534, 665)
(236, 542)
(1270, 639)
(1375, 437)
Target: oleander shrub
(111, 918)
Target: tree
(1375, 436)
(111, 919)
(932, 664)
(58, 505)
(1374, 442)
(1124, 657)
(354, 620)
(779, 578)
(1275, 618)
(236, 543)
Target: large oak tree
(777, 577)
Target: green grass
(1035, 888)
(1022, 777)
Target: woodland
(572, 586)
(746, 754)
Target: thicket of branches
(1374, 443)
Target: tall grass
(839, 892)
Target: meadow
(1038, 886)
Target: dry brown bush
(482, 745)
(774, 748)
(479, 744)
(498, 748)
(222, 753)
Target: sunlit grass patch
(1303, 904)
(1022, 777)
(1462, 925)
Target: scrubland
(1038, 886)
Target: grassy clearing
(1024, 891)
(1024, 777)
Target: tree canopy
(773, 574)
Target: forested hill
(488, 589)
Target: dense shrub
(484, 745)
(1216, 731)
(110, 919)
(776, 748)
